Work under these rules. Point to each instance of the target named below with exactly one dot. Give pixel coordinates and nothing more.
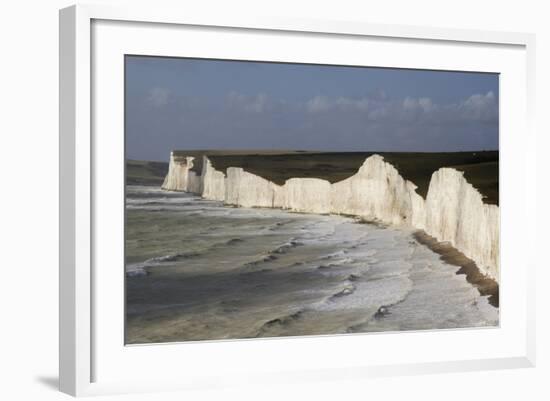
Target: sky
(180, 103)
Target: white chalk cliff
(248, 190)
(453, 210)
(213, 181)
(178, 171)
(180, 177)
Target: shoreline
(449, 254)
(338, 299)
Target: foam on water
(197, 270)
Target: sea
(198, 270)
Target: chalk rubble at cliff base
(453, 210)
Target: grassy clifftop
(140, 172)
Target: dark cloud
(321, 122)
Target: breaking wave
(279, 322)
(348, 290)
(287, 246)
(140, 269)
(263, 259)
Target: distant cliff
(452, 210)
(141, 172)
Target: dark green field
(480, 168)
(139, 172)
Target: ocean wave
(334, 255)
(263, 259)
(364, 253)
(280, 322)
(347, 290)
(287, 246)
(388, 269)
(336, 263)
(136, 270)
(277, 225)
(167, 201)
(140, 269)
(174, 257)
(159, 208)
(359, 293)
(233, 241)
(275, 253)
(159, 199)
(381, 313)
(353, 277)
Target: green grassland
(139, 172)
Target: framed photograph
(267, 200)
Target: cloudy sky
(174, 103)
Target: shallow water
(197, 270)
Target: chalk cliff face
(375, 192)
(194, 183)
(453, 210)
(213, 181)
(178, 171)
(248, 190)
(307, 195)
(180, 177)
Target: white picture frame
(82, 344)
